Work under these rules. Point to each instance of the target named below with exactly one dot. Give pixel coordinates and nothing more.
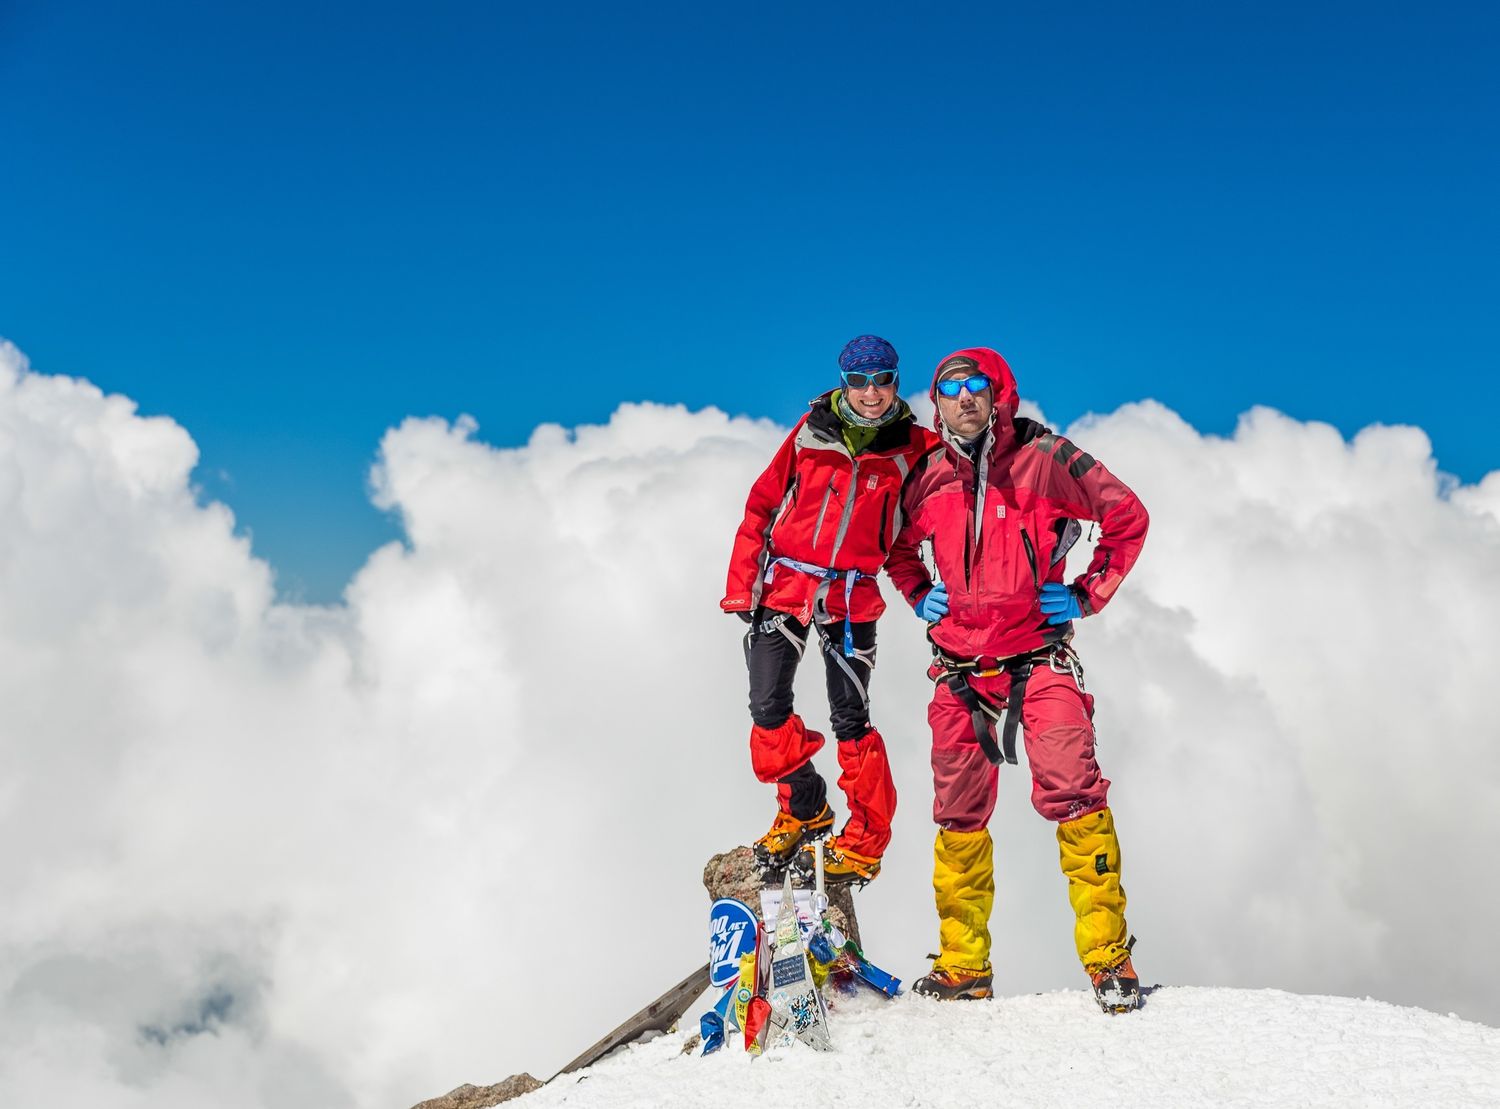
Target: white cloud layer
(267, 855)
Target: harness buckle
(1069, 665)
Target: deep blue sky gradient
(290, 229)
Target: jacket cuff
(1085, 602)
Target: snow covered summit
(1186, 1047)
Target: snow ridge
(1187, 1047)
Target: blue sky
(289, 230)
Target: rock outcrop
(733, 874)
(482, 1097)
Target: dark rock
(733, 874)
(482, 1097)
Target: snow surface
(1187, 1046)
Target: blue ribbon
(827, 574)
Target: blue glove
(1060, 603)
(934, 605)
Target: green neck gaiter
(860, 432)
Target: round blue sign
(731, 933)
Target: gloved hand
(934, 604)
(1060, 603)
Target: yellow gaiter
(1091, 861)
(963, 879)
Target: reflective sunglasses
(881, 379)
(952, 386)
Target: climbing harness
(958, 674)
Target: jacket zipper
(971, 537)
(1031, 558)
(885, 503)
(838, 539)
(818, 527)
(788, 502)
(1103, 569)
(981, 463)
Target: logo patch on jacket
(999, 512)
(874, 481)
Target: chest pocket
(879, 492)
(788, 501)
(1012, 553)
(1035, 541)
(856, 527)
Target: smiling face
(967, 414)
(870, 400)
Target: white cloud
(270, 855)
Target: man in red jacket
(818, 526)
(1001, 501)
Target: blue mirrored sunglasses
(880, 379)
(952, 386)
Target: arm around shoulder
(904, 564)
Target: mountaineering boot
(1117, 989)
(841, 865)
(776, 848)
(955, 984)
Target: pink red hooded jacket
(1001, 522)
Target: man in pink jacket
(1001, 502)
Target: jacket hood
(987, 362)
